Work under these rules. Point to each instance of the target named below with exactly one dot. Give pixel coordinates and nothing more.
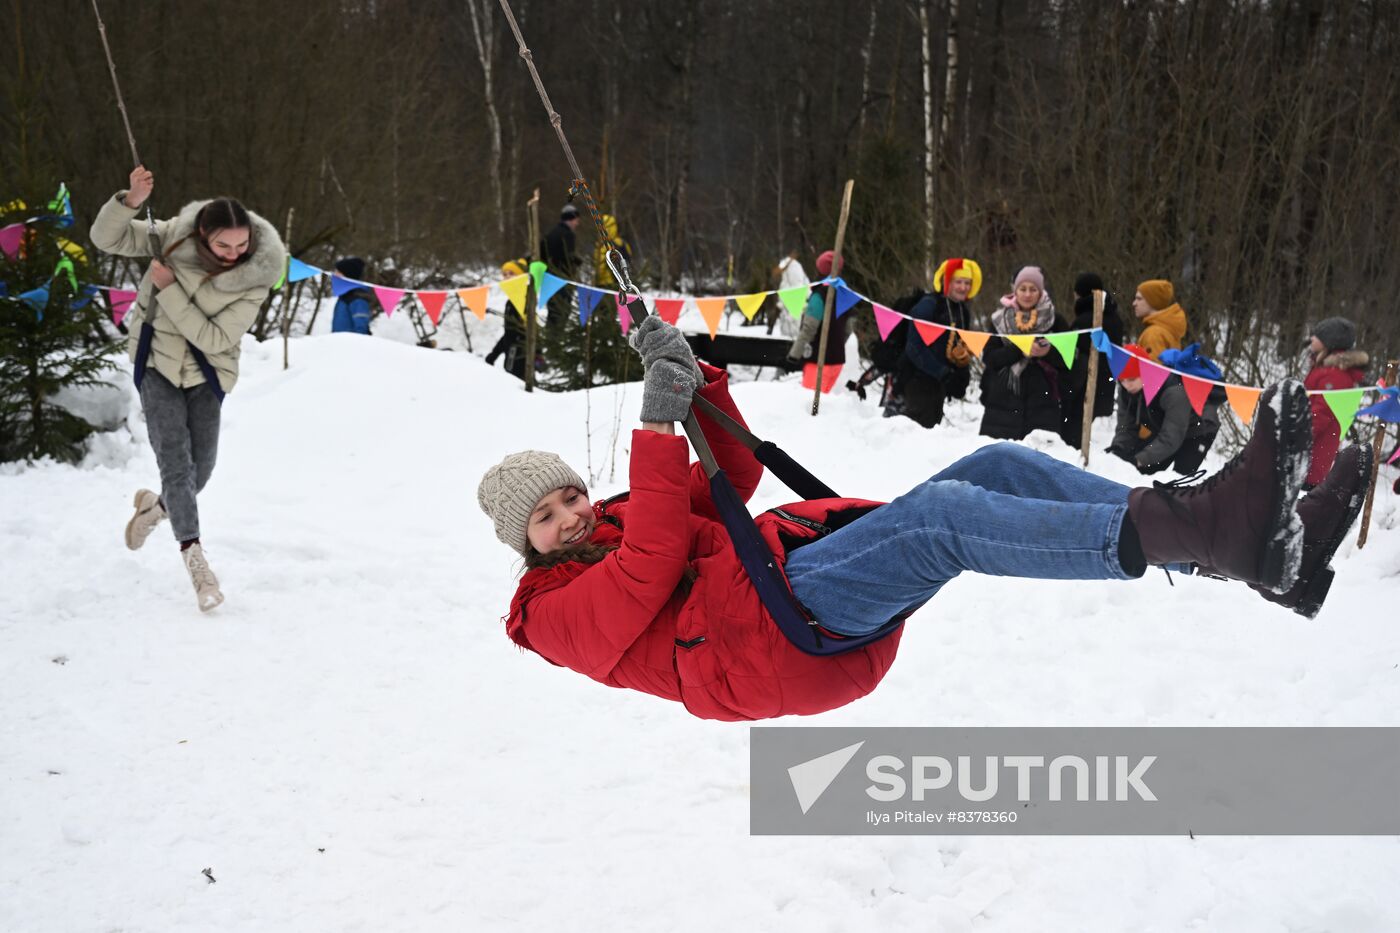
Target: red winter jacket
(623, 622)
(1342, 370)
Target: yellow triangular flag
(711, 309)
(1023, 342)
(1243, 400)
(749, 304)
(515, 291)
(475, 300)
(975, 339)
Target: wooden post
(288, 310)
(531, 331)
(1379, 450)
(831, 292)
(1091, 388)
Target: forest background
(1248, 151)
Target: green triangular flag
(1065, 343)
(1344, 404)
(795, 299)
(537, 271)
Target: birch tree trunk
(930, 140)
(486, 50)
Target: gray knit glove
(666, 391)
(656, 340)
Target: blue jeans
(1005, 510)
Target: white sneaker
(206, 585)
(149, 514)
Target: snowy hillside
(351, 743)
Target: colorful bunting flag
(432, 303)
(515, 292)
(1066, 344)
(844, 299)
(929, 332)
(1243, 400)
(976, 342)
(1100, 340)
(389, 298)
(549, 284)
(537, 272)
(10, 238)
(712, 310)
(1022, 342)
(1153, 378)
(86, 295)
(886, 319)
(474, 300)
(588, 299)
(339, 286)
(122, 301)
(669, 309)
(298, 270)
(795, 299)
(624, 317)
(1117, 359)
(1344, 403)
(37, 299)
(65, 267)
(749, 304)
(1196, 391)
(1386, 407)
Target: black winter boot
(1239, 523)
(1328, 511)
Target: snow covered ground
(351, 743)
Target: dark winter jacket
(1341, 370)
(931, 359)
(353, 311)
(558, 251)
(1013, 408)
(1151, 435)
(626, 621)
(809, 331)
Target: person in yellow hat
(1163, 320)
(931, 372)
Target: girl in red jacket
(1335, 365)
(645, 590)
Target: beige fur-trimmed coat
(212, 313)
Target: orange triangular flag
(711, 309)
(475, 300)
(975, 339)
(1243, 399)
(749, 304)
(515, 291)
(432, 303)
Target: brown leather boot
(1239, 523)
(1328, 511)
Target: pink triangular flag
(712, 310)
(886, 319)
(432, 303)
(10, 238)
(1153, 378)
(389, 298)
(121, 300)
(669, 309)
(624, 317)
(929, 332)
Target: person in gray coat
(1165, 432)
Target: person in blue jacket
(354, 308)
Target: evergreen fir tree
(581, 355)
(50, 327)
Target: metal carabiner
(621, 272)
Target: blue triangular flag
(36, 298)
(1117, 359)
(86, 295)
(1100, 339)
(588, 299)
(844, 299)
(549, 284)
(298, 270)
(1387, 408)
(4, 289)
(340, 286)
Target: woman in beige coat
(214, 265)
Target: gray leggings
(183, 425)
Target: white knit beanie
(511, 489)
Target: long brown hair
(218, 214)
(590, 553)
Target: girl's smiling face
(564, 518)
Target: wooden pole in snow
(1378, 449)
(1091, 388)
(831, 292)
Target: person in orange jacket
(1163, 320)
